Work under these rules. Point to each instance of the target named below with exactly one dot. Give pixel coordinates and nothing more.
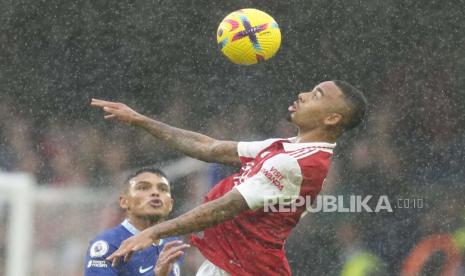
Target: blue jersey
(142, 262)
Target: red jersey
(253, 242)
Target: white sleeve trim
(279, 179)
(251, 149)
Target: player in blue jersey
(147, 200)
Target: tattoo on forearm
(202, 217)
(193, 144)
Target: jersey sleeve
(251, 149)
(96, 263)
(313, 174)
(279, 180)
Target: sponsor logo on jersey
(143, 270)
(274, 176)
(97, 263)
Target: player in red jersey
(240, 236)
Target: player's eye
(142, 187)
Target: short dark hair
(357, 102)
(153, 170)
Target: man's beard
(153, 219)
(289, 117)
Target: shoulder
(305, 162)
(114, 235)
(316, 165)
(102, 246)
(106, 241)
(251, 149)
(316, 158)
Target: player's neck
(316, 135)
(141, 223)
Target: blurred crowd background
(161, 58)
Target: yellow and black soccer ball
(248, 36)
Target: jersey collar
(292, 145)
(133, 230)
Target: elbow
(211, 153)
(235, 203)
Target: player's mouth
(292, 107)
(156, 203)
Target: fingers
(174, 257)
(176, 249)
(115, 262)
(171, 244)
(175, 253)
(109, 107)
(171, 252)
(111, 116)
(128, 248)
(102, 103)
(115, 257)
(128, 256)
(121, 254)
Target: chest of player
(253, 166)
(142, 262)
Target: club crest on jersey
(246, 168)
(98, 249)
(176, 269)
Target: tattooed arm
(199, 218)
(203, 216)
(193, 144)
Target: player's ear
(333, 119)
(172, 204)
(123, 202)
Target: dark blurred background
(161, 58)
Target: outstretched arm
(199, 218)
(203, 216)
(193, 144)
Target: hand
(168, 256)
(119, 111)
(135, 243)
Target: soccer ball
(248, 36)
